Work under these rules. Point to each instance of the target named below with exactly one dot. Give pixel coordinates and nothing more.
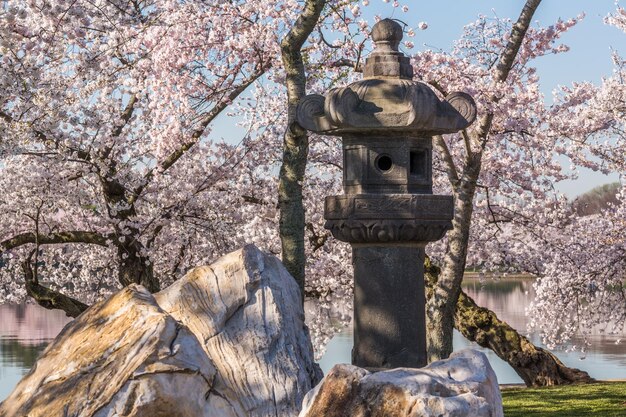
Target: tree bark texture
(295, 145)
(536, 366)
(441, 306)
(133, 268)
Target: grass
(606, 399)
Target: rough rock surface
(225, 340)
(464, 385)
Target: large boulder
(464, 385)
(226, 340)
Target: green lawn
(607, 399)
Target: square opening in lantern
(418, 163)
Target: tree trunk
(54, 300)
(46, 297)
(295, 145)
(441, 306)
(292, 220)
(134, 268)
(536, 366)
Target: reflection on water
(508, 298)
(14, 353)
(25, 330)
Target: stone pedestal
(388, 234)
(389, 306)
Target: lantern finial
(387, 35)
(387, 61)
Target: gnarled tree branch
(55, 238)
(536, 366)
(46, 297)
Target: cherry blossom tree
(578, 259)
(501, 156)
(518, 220)
(109, 175)
(581, 284)
(111, 171)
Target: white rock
(464, 385)
(226, 340)
(247, 311)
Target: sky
(591, 43)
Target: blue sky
(591, 43)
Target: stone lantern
(388, 212)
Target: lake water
(508, 298)
(25, 331)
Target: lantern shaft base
(389, 306)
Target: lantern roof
(386, 100)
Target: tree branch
(317, 241)
(126, 115)
(453, 175)
(195, 136)
(81, 154)
(345, 62)
(518, 33)
(55, 238)
(467, 141)
(507, 59)
(253, 200)
(48, 298)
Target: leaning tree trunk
(536, 366)
(295, 145)
(47, 297)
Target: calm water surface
(25, 331)
(508, 298)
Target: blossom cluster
(108, 111)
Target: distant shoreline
(498, 275)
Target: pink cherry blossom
(107, 126)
